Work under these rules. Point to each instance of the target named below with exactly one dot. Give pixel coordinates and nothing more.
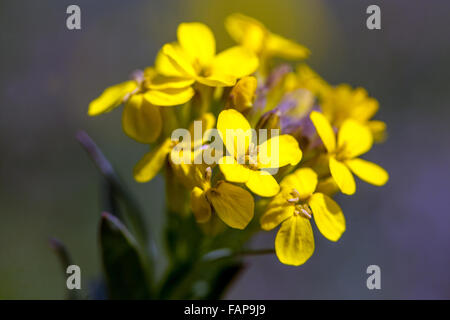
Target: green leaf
(123, 264)
(117, 199)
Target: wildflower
(141, 118)
(258, 158)
(193, 58)
(293, 207)
(353, 140)
(152, 162)
(306, 78)
(253, 35)
(233, 205)
(343, 102)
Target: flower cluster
(318, 130)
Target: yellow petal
(235, 61)
(368, 171)
(232, 204)
(169, 97)
(365, 107)
(324, 130)
(303, 180)
(208, 121)
(233, 171)
(327, 186)
(111, 98)
(294, 243)
(200, 205)
(284, 48)
(328, 216)
(378, 129)
(160, 82)
(243, 94)
(342, 176)
(262, 183)
(277, 211)
(141, 120)
(279, 151)
(150, 164)
(180, 60)
(246, 31)
(198, 41)
(217, 80)
(354, 138)
(164, 66)
(234, 124)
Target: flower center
(301, 207)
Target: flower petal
(200, 205)
(235, 61)
(294, 243)
(303, 180)
(111, 98)
(378, 129)
(217, 80)
(285, 48)
(278, 210)
(368, 171)
(328, 216)
(150, 164)
(164, 66)
(324, 130)
(160, 82)
(233, 171)
(354, 138)
(246, 31)
(180, 60)
(141, 120)
(169, 97)
(262, 183)
(198, 41)
(279, 151)
(342, 176)
(234, 124)
(232, 204)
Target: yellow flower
(253, 35)
(353, 140)
(193, 58)
(293, 207)
(243, 93)
(343, 102)
(152, 162)
(141, 118)
(233, 205)
(307, 78)
(257, 158)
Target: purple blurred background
(49, 187)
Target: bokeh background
(48, 186)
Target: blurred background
(49, 187)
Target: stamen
(306, 213)
(208, 173)
(295, 193)
(294, 200)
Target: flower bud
(243, 94)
